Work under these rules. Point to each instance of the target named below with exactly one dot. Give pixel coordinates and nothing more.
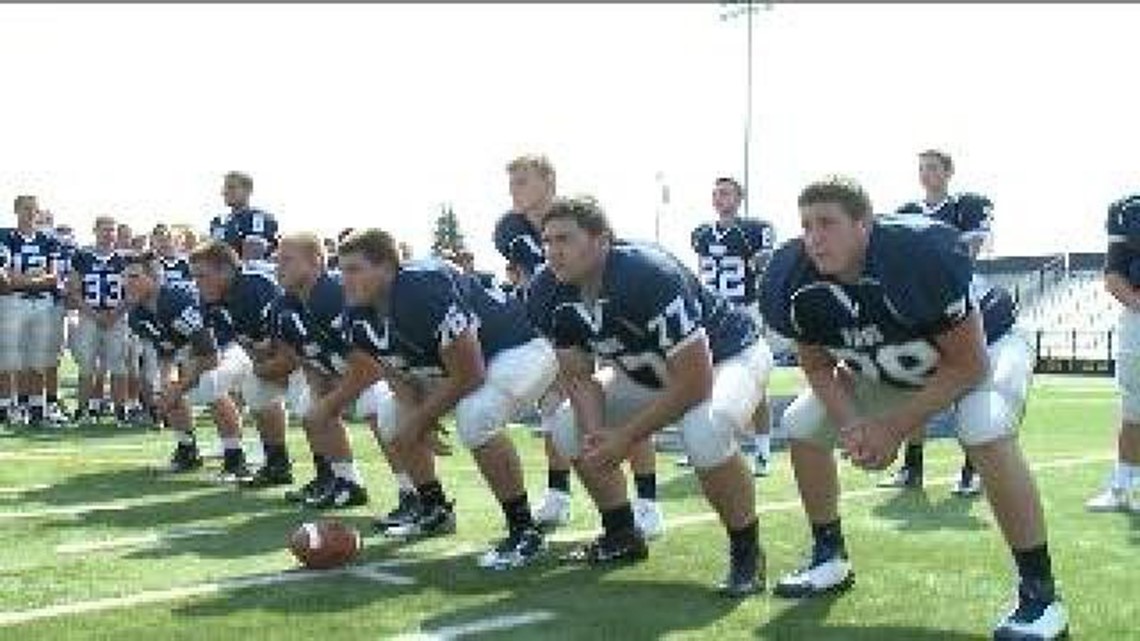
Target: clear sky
(374, 115)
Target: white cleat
(1033, 619)
(554, 511)
(648, 519)
(1113, 499)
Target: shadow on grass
(807, 620)
(112, 485)
(912, 511)
(588, 603)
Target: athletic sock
(646, 486)
(558, 480)
(516, 511)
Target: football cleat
(405, 511)
(515, 551)
(648, 519)
(433, 520)
(270, 476)
(760, 465)
(827, 572)
(619, 547)
(746, 571)
(1113, 499)
(315, 487)
(903, 478)
(683, 461)
(184, 459)
(234, 468)
(554, 511)
(339, 494)
(56, 414)
(969, 485)
(1038, 616)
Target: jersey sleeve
(548, 312)
(1123, 229)
(975, 215)
(932, 288)
(776, 289)
(441, 315)
(664, 303)
(759, 236)
(186, 316)
(518, 243)
(699, 239)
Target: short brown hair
(729, 180)
(538, 162)
(941, 156)
(307, 242)
(105, 220)
(217, 253)
(841, 190)
(583, 210)
(376, 245)
(241, 178)
(21, 200)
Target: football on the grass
(325, 544)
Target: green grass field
(93, 546)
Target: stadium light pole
(730, 11)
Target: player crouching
(888, 336)
(681, 355)
(171, 320)
(444, 343)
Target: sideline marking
(490, 624)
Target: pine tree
(447, 240)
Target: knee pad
(708, 436)
(387, 418)
(481, 415)
(564, 432)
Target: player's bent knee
(387, 419)
(707, 435)
(564, 435)
(481, 415)
(987, 416)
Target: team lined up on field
(612, 340)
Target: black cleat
(746, 573)
(338, 495)
(234, 468)
(315, 487)
(185, 459)
(619, 547)
(270, 476)
(1038, 616)
(518, 549)
(432, 520)
(405, 511)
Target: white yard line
(8, 491)
(490, 624)
(107, 506)
(371, 572)
(150, 538)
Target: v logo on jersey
(378, 340)
(592, 317)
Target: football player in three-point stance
(888, 335)
(447, 344)
(733, 252)
(678, 354)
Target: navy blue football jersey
(519, 242)
(915, 286)
(316, 327)
(178, 315)
(176, 271)
(1123, 228)
(971, 214)
(218, 226)
(650, 305)
(732, 255)
(430, 304)
(31, 255)
(100, 278)
(246, 223)
(248, 309)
